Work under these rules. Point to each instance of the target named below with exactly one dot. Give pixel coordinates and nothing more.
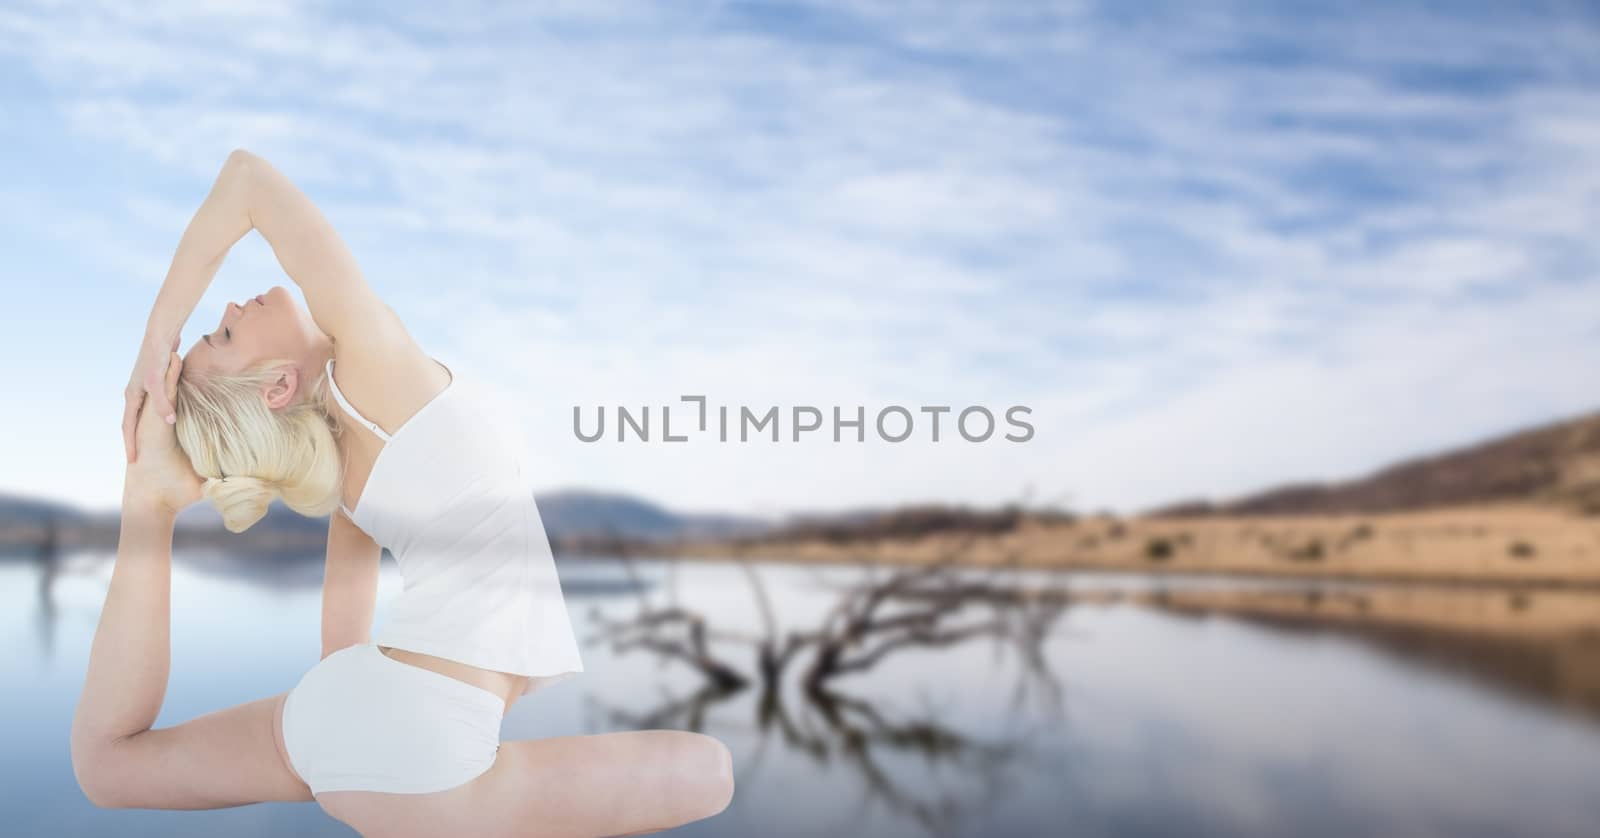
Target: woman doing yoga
(396, 735)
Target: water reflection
(836, 730)
(1537, 645)
(1563, 669)
(1563, 672)
(1252, 724)
(49, 565)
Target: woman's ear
(280, 392)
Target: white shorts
(362, 721)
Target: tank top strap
(350, 408)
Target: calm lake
(1156, 725)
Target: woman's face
(270, 325)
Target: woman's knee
(700, 773)
(721, 774)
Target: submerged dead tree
(671, 631)
(968, 772)
(925, 606)
(883, 612)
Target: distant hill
(281, 529)
(577, 513)
(569, 517)
(912, 521)
(1557, 463)
(26, 520)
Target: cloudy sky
(1211, 250)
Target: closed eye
(227, 333)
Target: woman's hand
(162, 473)
(145, 386)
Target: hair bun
(241, 500)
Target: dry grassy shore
(1503, 544)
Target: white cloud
(1210, 255)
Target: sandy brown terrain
(1524, 544)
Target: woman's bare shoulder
(387, 375)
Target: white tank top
(449, 497)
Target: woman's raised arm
(224, 758)
(250, 193)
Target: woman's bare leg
(607, 784)
(225, 758)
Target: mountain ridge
(1556, 462)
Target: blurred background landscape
(1303, 301)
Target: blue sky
(1213, 249)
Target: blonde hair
(249, 453)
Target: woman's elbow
(234, 179)
(100, 765)
(238, 159)
(94, 770)
(101, 797)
